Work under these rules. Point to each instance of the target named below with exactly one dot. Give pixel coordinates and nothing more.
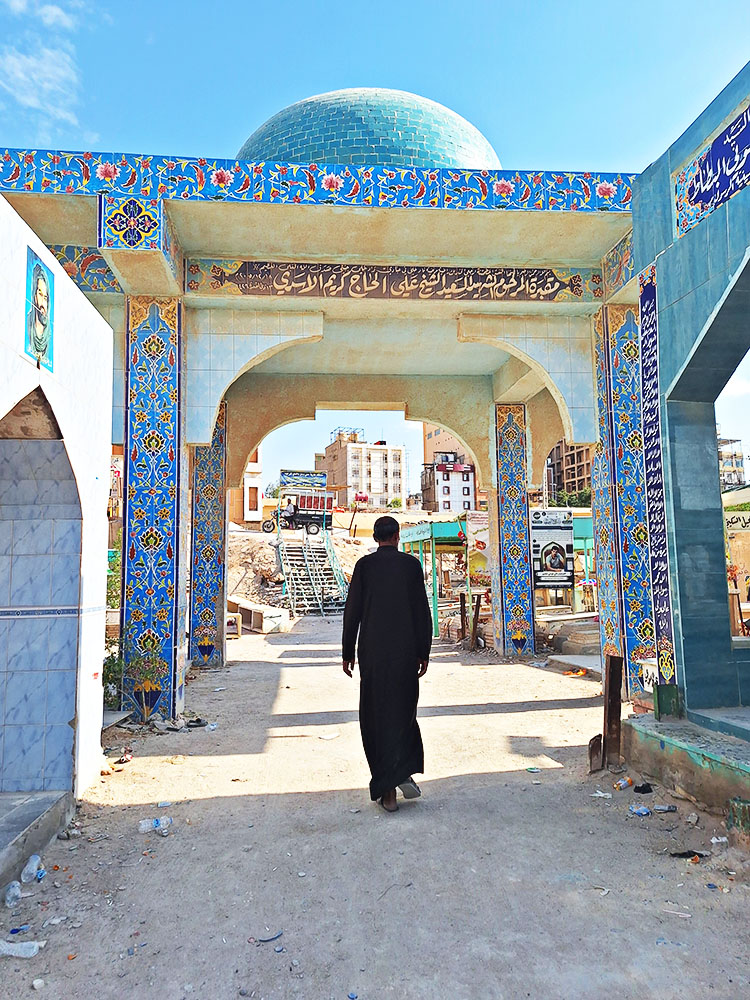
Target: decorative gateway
(552, 548)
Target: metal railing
(313, 571)
(289, 576)
(335, 565)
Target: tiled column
(156, 516)
(513, 528)
(630, 492)
(606, 550)
(654, 473)
(208, 579)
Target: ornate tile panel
(87, 267)
(630, 492)
(207, 588)
(602, 496)
(197, 178)
(494, 559)
(715, 175)
(654, 472)
(513, 523)
(128, 223)
(154, 460)
(618, 265)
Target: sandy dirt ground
(498, 883)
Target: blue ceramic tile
(32, 538)
(66, 573)
(18, 491)
(222, 352)
(58, 752)
(61, 697)
(5, 566)
(35, 784)
(66, 536)
(24, 698)
(6, 537)
(63, 643)
(48, 459)
(2, 709)
(30, 581)
(56, 491)
(26, 642)
(13, 462)
(3, 650)
(199, 387)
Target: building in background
(731, 461)
(448, 484)
(571, 467)
(358, 472)
(245, 506)
(436, 441)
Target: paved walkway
(498, 883)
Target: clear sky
(552, 85)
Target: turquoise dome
(388, 128)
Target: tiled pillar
(513, 529)
(606, 549)
(630, 492)
(156, 515)
(654, 473)
(208, 574)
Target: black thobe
(388, 605)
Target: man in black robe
(387, 605)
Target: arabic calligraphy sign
(715, 175)
(365, 281)
(737, 520)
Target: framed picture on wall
(40, 312)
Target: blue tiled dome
(370, 126)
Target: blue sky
(552, 86)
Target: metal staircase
(315, 584)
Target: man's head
(40, 298)
(385, 531)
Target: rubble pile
(253, 567)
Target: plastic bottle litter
(30, 869)
(212, 727)
(21, 949)
(40, 874)
(159, 825)
(622, 784)
(640, 810)
(12, 894)
(665, 809)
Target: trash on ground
(643, 789)
(665, 809)
(20, 930)
(163, 805)
(599, 794)
(53, 921)
(711, 885)
(603, 889)
(719, 840)
(212, 727)
(20, 949)
(533, 770)
(574, 673)
(125, 759)
(279, 948)
(639, 810)
(688, 854)
(12, 894)
(536, 782)
(354, 810)
(37, 984)
(159, 825)
(302, 874)
(695, 860)
(219, 689)
(30, 869)
(267, 940)
(622, 783)
(692, 819)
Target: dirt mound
(349, 551)
(254, 567)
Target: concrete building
(571, 467)
(731, 461)
(448, 484)
(438, 441)
(245, 505)
(357, 469)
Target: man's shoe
(410, 789)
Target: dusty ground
(490, 886)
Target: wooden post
(462, 600)
(612, 709)
(475, 623)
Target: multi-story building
(358, 470)
(731, 461)
(437, 441)
(246, 505)
(448, 484)
(571, 467)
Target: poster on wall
(552, 548)
(299, 480)
(40, 300)
(478, 548)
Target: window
(446, 477)
(465, 476)
(429, 435)
(446, 505)
(252, 498)
(446, 491)
(467, 491)
(467, 505)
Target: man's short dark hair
(385, 529)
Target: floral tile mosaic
(206, 179)
(152, 523)
(618, 265)
(515, 546)
(130, 223)
(207, 592)
(87, 267)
